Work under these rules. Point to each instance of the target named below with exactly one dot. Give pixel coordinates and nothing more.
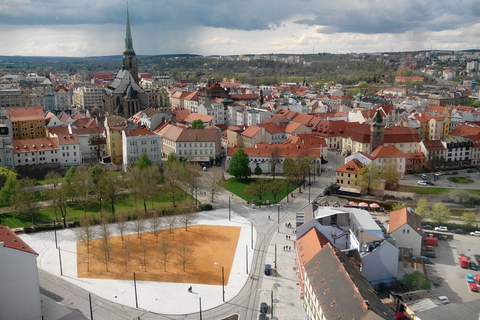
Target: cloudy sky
(97, 27)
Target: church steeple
(130, 62)
(128, 35)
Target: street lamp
(271, 301)
(135, 286)
(275, 261)
(223, 280)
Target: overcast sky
(97, 27)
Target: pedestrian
(190, 289)
(286, 237)
(289, 248)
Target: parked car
(463, 261)
(473, 287)
(430, 183)
(429, 248)
(473, 266)
(477, 278)
(428, 254)
(443, 299)
(475, 233)
(441, 228)
(470, 278)
(424, 177)
(477, 257)
(268, 269)
(426, 260)
(459, 231)
(430, 241)
(427, 227)
(263, 307)
(422, 183)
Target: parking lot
(448, 278)
(442, 182)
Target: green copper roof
(128, 36)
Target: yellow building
(27, 122)
(114, 126)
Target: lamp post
(275, 261)
(135, 286)
(271, 301)
(309, 194)
(278, 219)
(55, 232)
(229, 208)
(223, 280)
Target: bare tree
(85, 235)
(139, 223)
(155, 224)
(109, 187)
(82, 185)
(185, 254)
(274, 160)
(126, 249)
(23, 198)
(188, 219)
(172, 222)
(105, 245)
(53, 182)
(213, 181)
(172, 175)
(121, 220)
(144, 247)
(149, 184)
(165, 250)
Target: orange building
(27, 122)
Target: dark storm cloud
(358, 16)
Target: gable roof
(251, 131)
(433, 145)
(34, 145)
(341, 290)
(25, 113)
(387, 152)
(310, 244)
(352, 166)
(12, 241)
(404, 216)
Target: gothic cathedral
(124, 97)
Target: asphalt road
(63, 300)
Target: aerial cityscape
(289, 181)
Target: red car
(473, 287)
(429, 248)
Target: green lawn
(460, 180)
(237, 187)
(125, 202)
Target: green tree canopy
(417, 281)
(368, 177)
(440, 212)
(239, 165)
(422, 208)
(257, 189)
(258, 171)
(469, 217)
(390, 173)
(5, 173)
(143, 161)
(197, 124)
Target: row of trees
(440, 213)
(84, 187)
(369, 177)
(164, 248)
(295, 170)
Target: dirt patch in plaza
(208, 244)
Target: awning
(363, 205)
(374, 205)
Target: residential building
(405, 226)
(10, 97)
(69, 152)
(448, 99)
(251, 136)
(6, 138)
(63, 99)
(114, 125)
(19, 278)
(29, 152)
(49, 99)
(346, 174)
(135, 142)
(88, 97)
(389, 155)
(197, 145)
(458, 150)
(27, 122)
(434, 151)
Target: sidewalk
(285, 286)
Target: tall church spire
(128, 36)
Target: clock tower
(129, 58)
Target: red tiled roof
(465, 130)
(351, 166)
(387, 152)
(34, 145)
(25, 113)
(394, 134)
(433, 145)
(405, 216)
(138, 132)
(251, 131)
(283, 151)
(12, 241)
